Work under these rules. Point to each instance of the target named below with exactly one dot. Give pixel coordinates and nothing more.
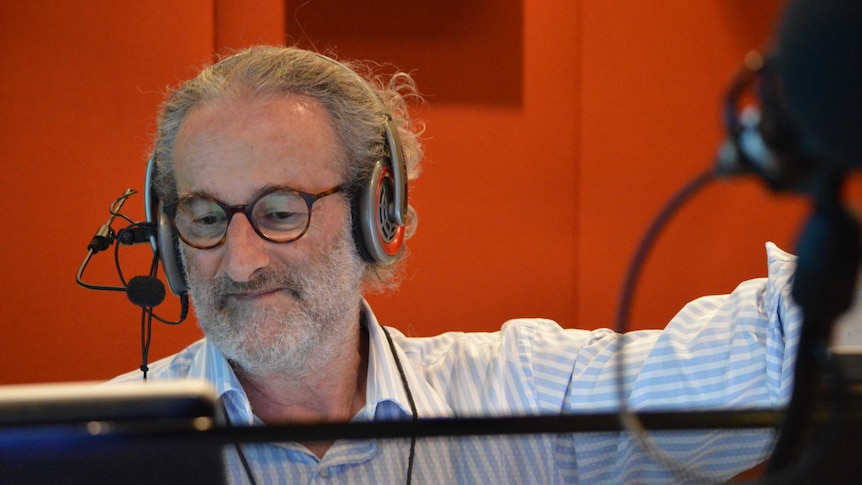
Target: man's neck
(333, 392)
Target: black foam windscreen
(145, 291)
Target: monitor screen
(87, 433)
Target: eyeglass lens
(279, 216)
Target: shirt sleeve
(719, 352)
(728, 351)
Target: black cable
(146, 292)
(790, 461)
(134, 233)
(628, 420)
(79, 277)
(244, 462)
(409, 400)
(146, 321)
(184, 299)
(119, 267)
(115, 207)
(102, 240)
(146, 338)
(242, 458)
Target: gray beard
(294, 336)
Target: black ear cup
(163, 241)
(378, 238)
(380, 208)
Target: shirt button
(324, 473)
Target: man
(261, 160)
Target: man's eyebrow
(257, 193)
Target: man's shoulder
(176, 366)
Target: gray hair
(357, 106)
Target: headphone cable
(629, 420)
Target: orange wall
(556, 129)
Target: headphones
(379, 208)
(763, 137)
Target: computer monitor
(90, 433)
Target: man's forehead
(283, 140)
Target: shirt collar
(384, 382)
(387, 393)
(211, 364)
(386, 396)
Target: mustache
(267, 279)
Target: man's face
(269, 307)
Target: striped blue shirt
(719, 352)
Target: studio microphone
(805, 122)
(818, 56)
(803, 135)
(763, 137)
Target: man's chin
(264, 353)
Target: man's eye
(207, 220)
(281, 215)
(281, 218)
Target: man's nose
(245, 251)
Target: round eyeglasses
(280, 215)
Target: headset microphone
(145, 291)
